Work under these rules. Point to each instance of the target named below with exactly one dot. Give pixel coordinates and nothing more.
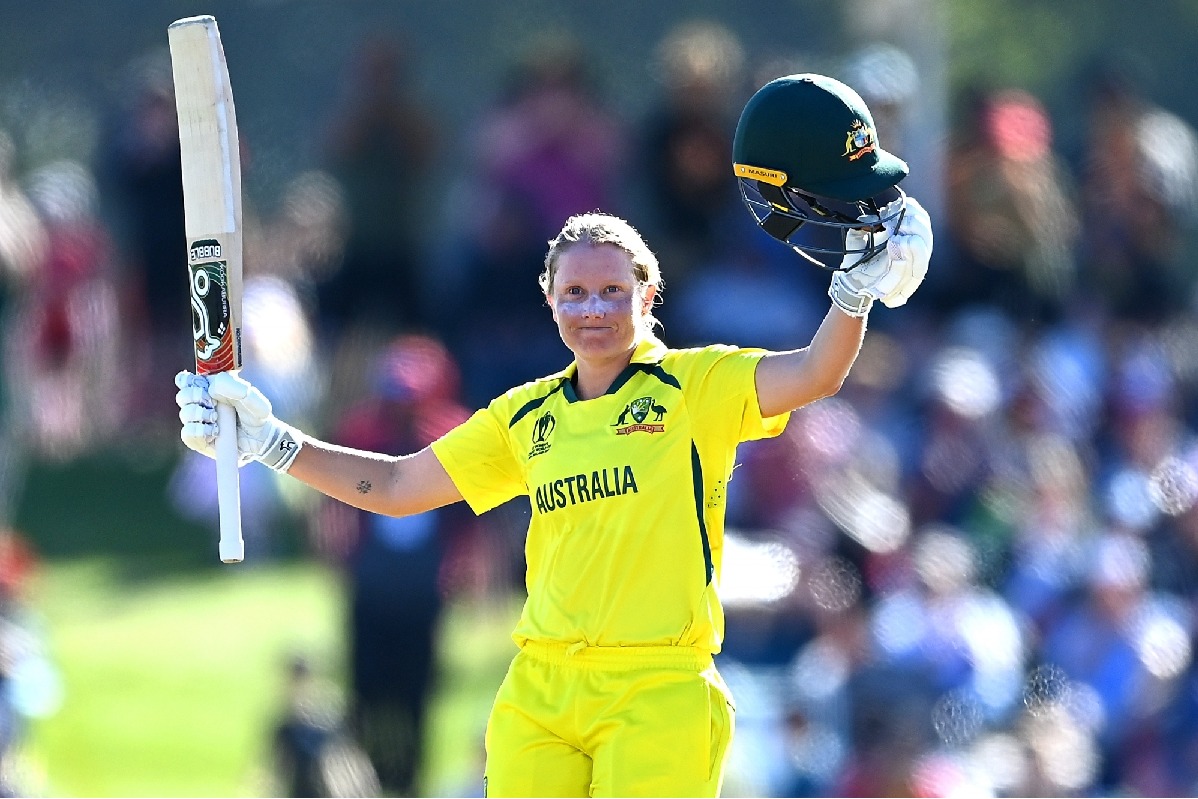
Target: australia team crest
(860, 140)
(642, 415)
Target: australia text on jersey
(599, 484)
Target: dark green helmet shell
(815, 134)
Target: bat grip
(228, 489)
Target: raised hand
(891, 276)
(261, 436)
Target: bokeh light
(757, 572)
(1162, 640)
(1045, 688)
(1003, 758)
(966, 382)
(957, 718)
(834, 584)
(1064, 752)
(878, 521)
(1173, 486)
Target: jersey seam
(533, 404)
(697, 473)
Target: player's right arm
(387, 484)
(401, 485)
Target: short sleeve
(753, 424)
(726, 388)
(479, 460)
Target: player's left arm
(790, 380)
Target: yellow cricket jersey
(627, 491)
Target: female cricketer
(624, 456)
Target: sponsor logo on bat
(205, 251)
(210, 311)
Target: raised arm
(814, 176)
(790, 380)
(393, 485)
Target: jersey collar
(649, 351)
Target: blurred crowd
(971, 572)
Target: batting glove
(260, 435)
(893, 275)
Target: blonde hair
(596, 228)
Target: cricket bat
(212, 210)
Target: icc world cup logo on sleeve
(542, 432)
(210, 313)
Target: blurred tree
(1046, 47)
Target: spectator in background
(817, 694)
(549, 148)
(381, 149)
(30, 684)
(66, 333)
(397, 570)
(685, 145)
(22, 245)
(1011, 219)
(887, 79)
(141, 181)
(692, 204)
(1179, 719)
(311, 752)
(960, 437)
(1100, 642)
(1140, 191)
(21, 236)
(305, 242)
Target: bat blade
(210, 158)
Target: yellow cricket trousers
(608, 721)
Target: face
(598, 306)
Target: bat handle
(228, 489)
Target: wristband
(284, 447)
(847, 299)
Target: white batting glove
(891, 276)
(261, 436)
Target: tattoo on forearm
(364, 486)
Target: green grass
(171, 685)
(173, 665)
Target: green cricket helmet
(810, 169)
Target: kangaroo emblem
(639, 409)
